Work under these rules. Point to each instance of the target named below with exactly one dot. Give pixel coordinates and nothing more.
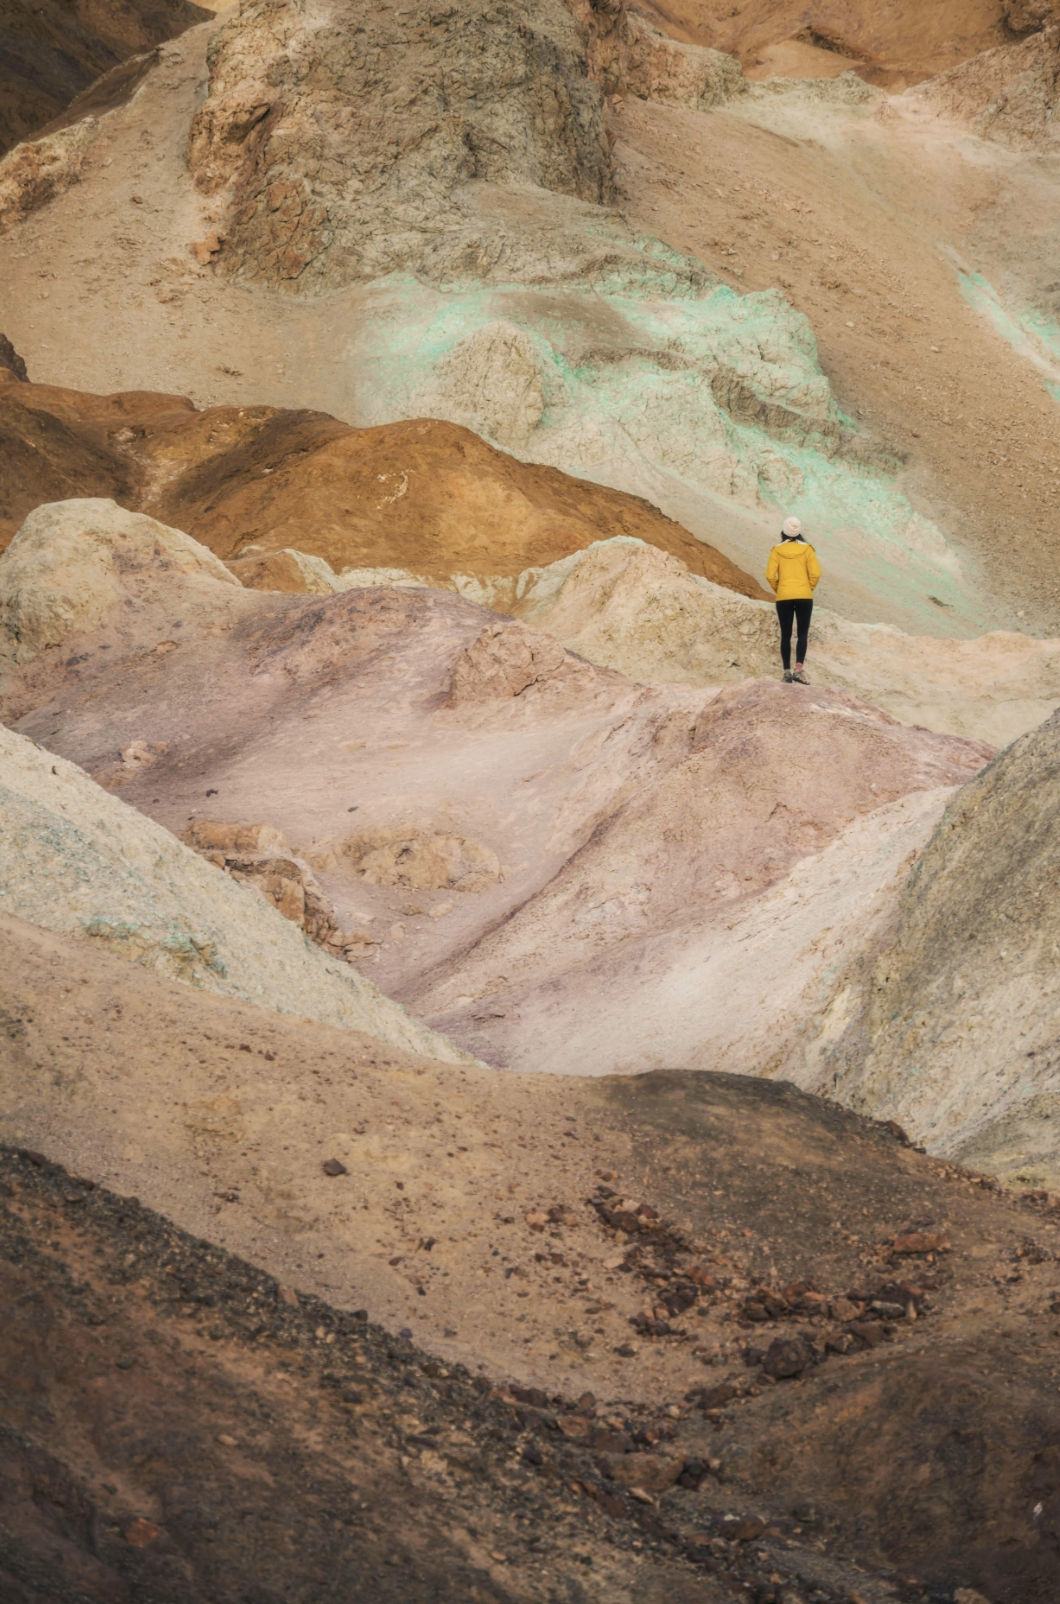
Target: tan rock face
(1008, 95)
(508, 660)
(318, 129)
(628, 55)
(421, 861)
(72, 563)
(258, 856)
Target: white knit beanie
(792, 528)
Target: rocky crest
(318, 125)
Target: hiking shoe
(787, 676)
(799, 677)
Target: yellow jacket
(793, 570)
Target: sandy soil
(892, 45)
(862, 217)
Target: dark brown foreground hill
(774, 1353)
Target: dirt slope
(52, 52)
(892, 45)
(674, 1348)
(425, 495)
(823, 201)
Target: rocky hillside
(960, 1013)
(596, 312)
(894, 46)
(515, 837)
(52, 53)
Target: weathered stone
(742, 1528)
(70, 566)
(140, 1533)
(868, 1332)
(653, 1473)
(786, 1357)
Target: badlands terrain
(502, 1098)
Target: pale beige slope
(756, 987)
(628, 607)
(627, 958)
(75, 859)
(954, 1031)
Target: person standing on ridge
(793, 573)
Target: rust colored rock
(204, 250)
(742, 1528)
(140, 1533)
(869, 1332)
(921, 1242)
(715, 1397)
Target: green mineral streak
(1035, 336)
(711, 404)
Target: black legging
(786, 611)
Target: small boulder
(787, 1357)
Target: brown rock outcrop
(1027, 16)
(1008, 95)
(426, 496)
(627, 55)
(12, 367)
(318, 130)
(259, 857)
